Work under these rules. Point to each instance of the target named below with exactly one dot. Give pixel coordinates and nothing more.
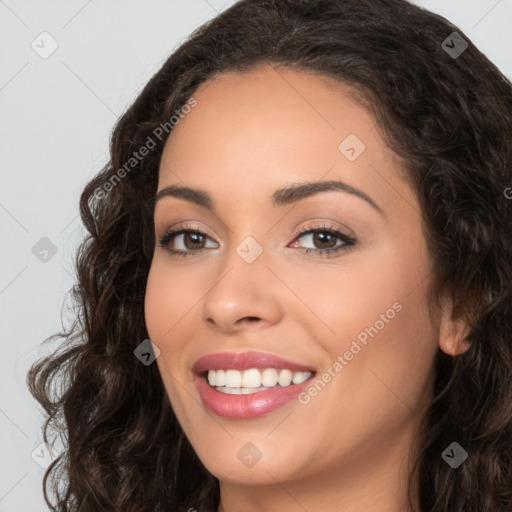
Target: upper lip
(245, 361)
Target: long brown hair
(447, 115)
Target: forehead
(277, 105)
(274, 125)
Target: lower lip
(252, 405)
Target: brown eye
(324, 240)
(184, 241)
(193, 240)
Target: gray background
(56, 117)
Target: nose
(244, 295)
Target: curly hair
(448, 117)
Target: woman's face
(353, 309)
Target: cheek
(365, 290)
(378, 320)
(166, 302)
(169, 297)
(376, 389)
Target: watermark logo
(454, 45)
(147, 352)
(44, 250)
(249, 455)
(43, 455)
(351, 147)
(44, 45)
(249, 249)
(454, 455)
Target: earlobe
(452, 333)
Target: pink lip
(246, 407)
(251, 405)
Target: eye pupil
(194, 237)
(319, 239)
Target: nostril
(251, 319)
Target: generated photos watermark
(160, 132)
(343, 359)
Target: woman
(296, 290)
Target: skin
(349, 448)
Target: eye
(326, 238)
(188, 239)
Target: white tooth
(251, 378)
(269, 377)
(247, 391)
(220, 378)
(285, 378)
(300, 377)
(233, 379)
(240, 391)
(254, 378)
(230, 391)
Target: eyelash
(349, 241)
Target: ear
(452, 333)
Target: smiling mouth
(253, 380)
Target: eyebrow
(283, 196)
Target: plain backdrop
(57, 111)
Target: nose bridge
(243, 288)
